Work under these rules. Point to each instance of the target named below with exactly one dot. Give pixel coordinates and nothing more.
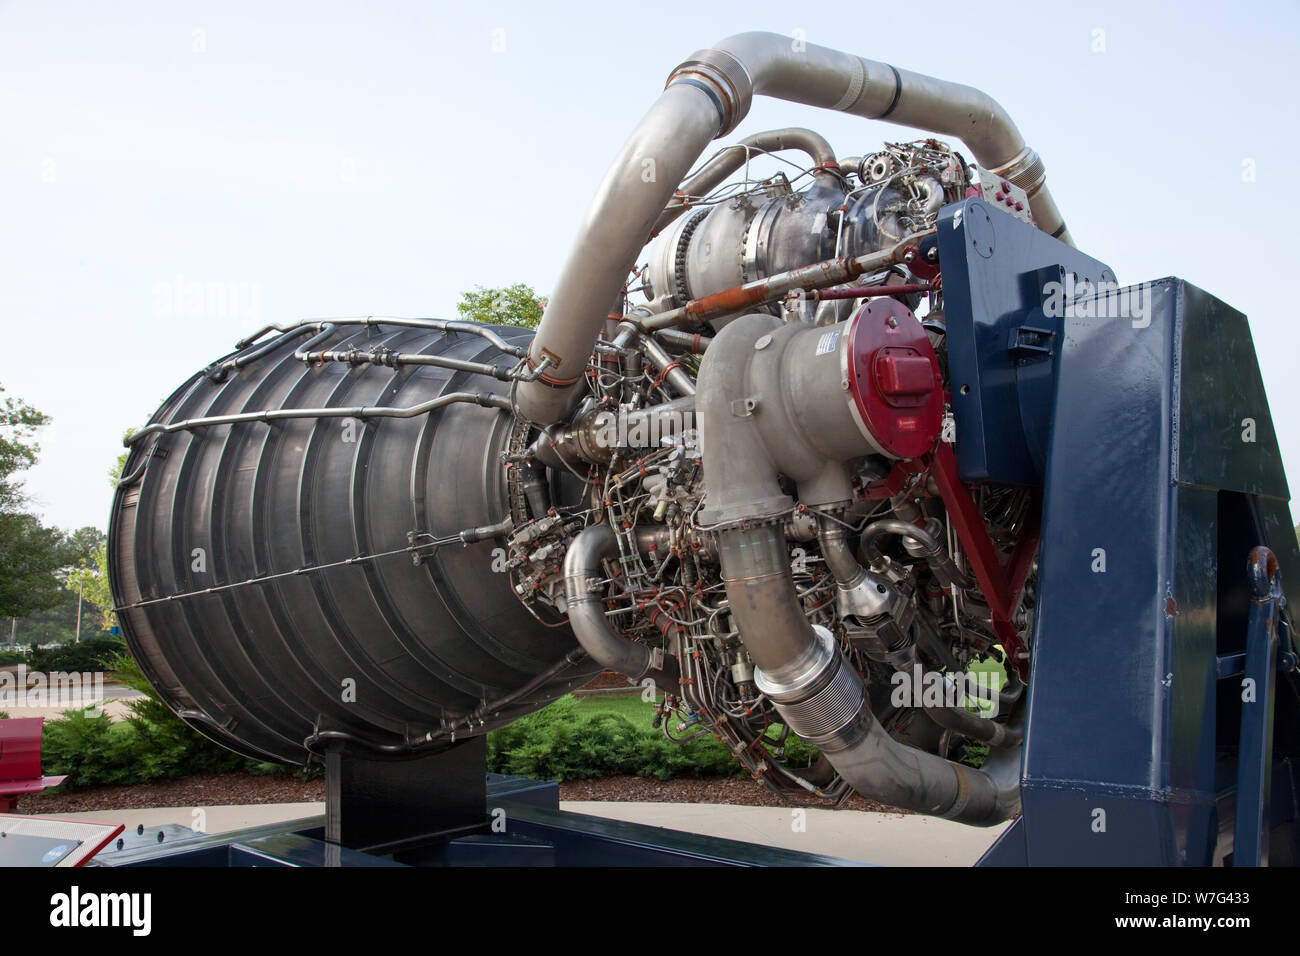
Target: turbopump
(722, 465)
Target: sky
(302, 160)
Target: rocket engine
(723, 464)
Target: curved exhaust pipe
(706, 97)
(584, 596)
(759, 363)
(822, 699)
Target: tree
(30, 553)
(516, 305)
(91, 573)
(18, 451)
(57, 624)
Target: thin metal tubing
(485, 399)
(440, 325)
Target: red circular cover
(894, 379)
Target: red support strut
(1001, 585)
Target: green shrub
(92, 654)
(152, 743)
(88, 750)
(558, 743)
(564, 741)
(12, 657)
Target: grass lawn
(630, 706)
(641, 713)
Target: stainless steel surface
(369, 643)
(734, 158)
(584, 593)
(391, 533)
(707, 96)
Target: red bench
(20, 761)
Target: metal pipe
(627, 204)
(862, 594)
(440, 325)
(838, 555)
(818, 693)
(694, 343)
(818, 275)
(734, 157)
(929, 547)
(818, 76)
(325, 327)
(707, 96)
(572, 659)
(668, 367)
(537, 492)
(485, 399)
(589, 439)
(865, 291)
(821, 697)
(218, 371)
(584, 595)
(968, 724)
(391, 359)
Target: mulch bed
(223, 789)
(608, 680)
(728, 790)
(198, 790)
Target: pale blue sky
(381, 158)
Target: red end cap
(903, 376)
(894, 379)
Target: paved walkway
(77, 694)
(889, 839)
(886, 838)
(116, 709)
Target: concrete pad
(116, 710)
(888, 839)
(50, 698)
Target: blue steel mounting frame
(522, 826)
(1142, 414)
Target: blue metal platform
(533, 831)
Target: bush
(88, 750)
(151, 744)
(558, 743)
(12, 657)
(92, 654)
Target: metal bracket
(1255, 749)
(1030, 342)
